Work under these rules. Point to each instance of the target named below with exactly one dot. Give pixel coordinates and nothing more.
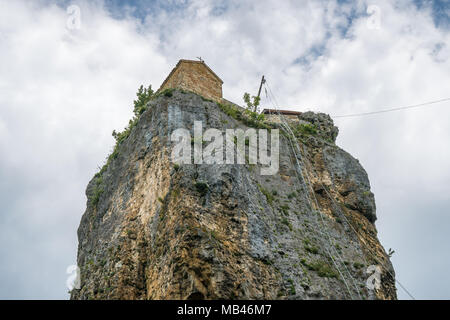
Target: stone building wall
(276, 118)
(195, 76)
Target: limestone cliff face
(153, 230)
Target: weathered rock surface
(153, 230)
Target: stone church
(197, 77)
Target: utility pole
(263, 80)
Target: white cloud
(62, 92)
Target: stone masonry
(195, 76)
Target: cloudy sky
(65, 86)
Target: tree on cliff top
(143, 97)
